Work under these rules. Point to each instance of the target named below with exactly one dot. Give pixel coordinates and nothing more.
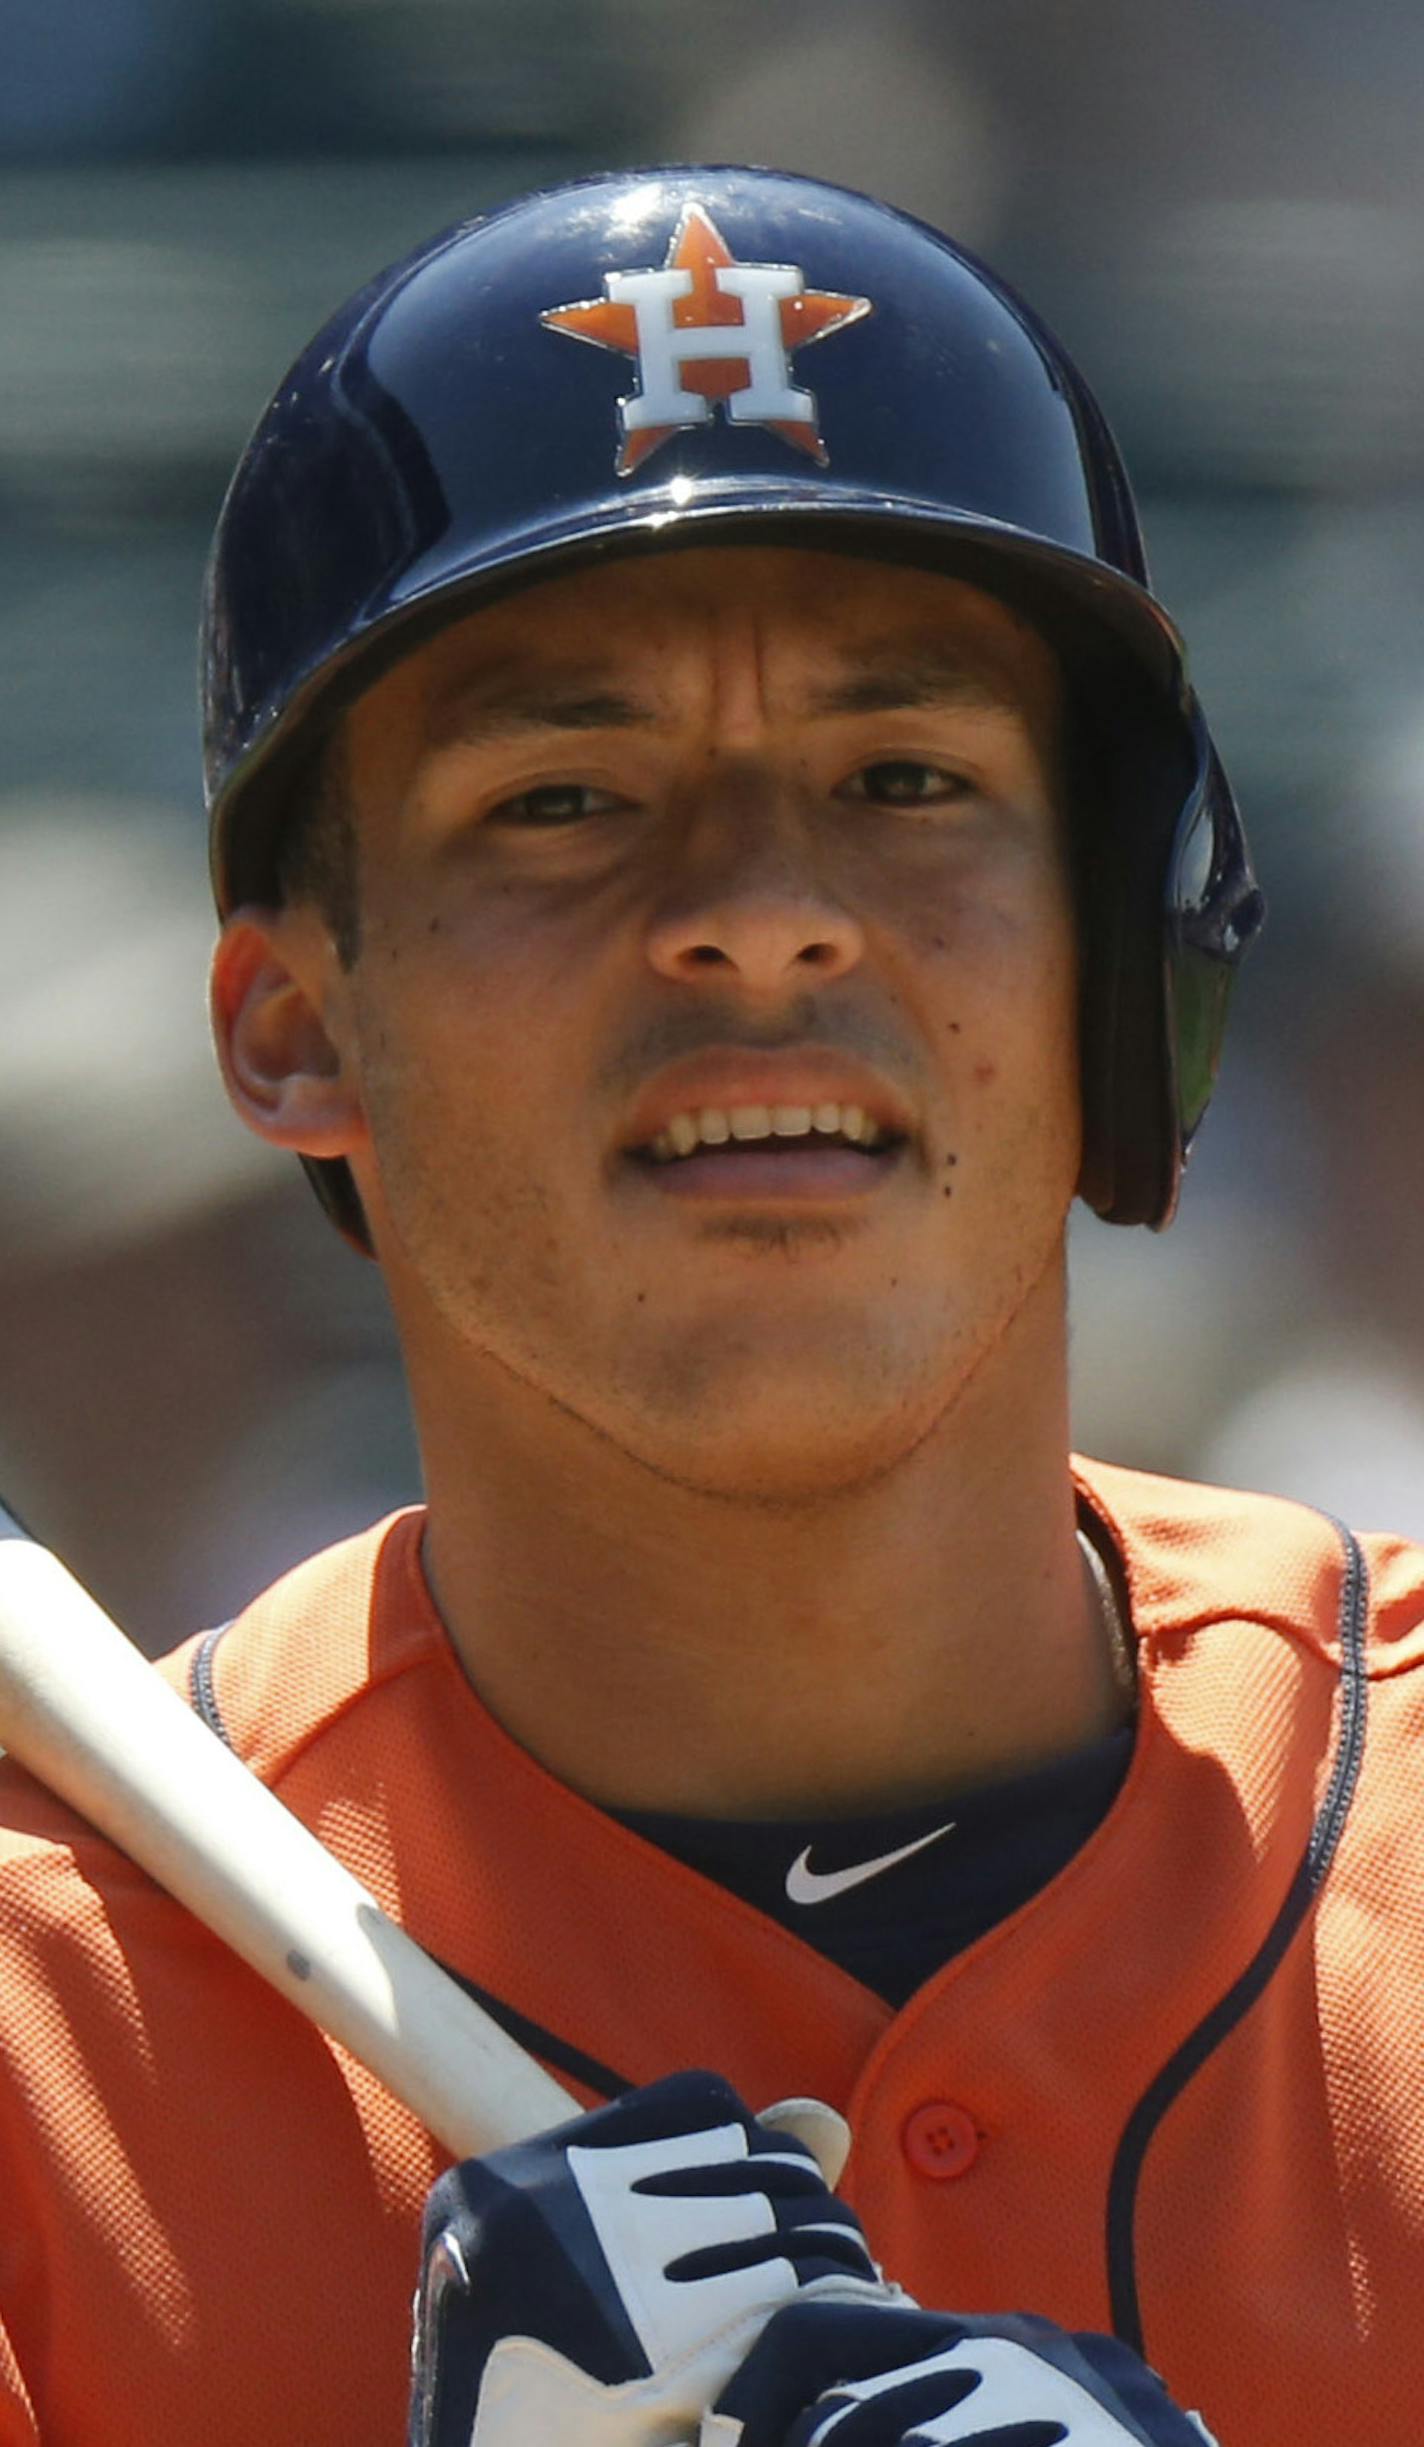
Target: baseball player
(716, 847)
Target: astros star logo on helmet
(702, 327)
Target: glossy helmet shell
(506, 403)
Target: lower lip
(775, 1179)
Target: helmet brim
(1090, 615)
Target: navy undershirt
(992, 1848)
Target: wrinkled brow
(930, 676)
(485, 712)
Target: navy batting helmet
(676, 355)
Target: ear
(284, 1052)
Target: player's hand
(872, 2376)
(599, 2286)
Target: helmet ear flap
(1214, 910)
(330, 1177)
(1165, 910)
(1126, 779)
(1104, 948)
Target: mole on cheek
(984, 1073)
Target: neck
(661, 1648)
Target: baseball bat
(87, 1715)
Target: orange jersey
(1180, 2090)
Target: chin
(791, 1456)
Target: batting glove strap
(606, 2279)
(861, 2375)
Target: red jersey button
(940, 2140)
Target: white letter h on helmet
(769, 397)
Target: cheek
(477, 1025)
(1032, 982)
(995, 956)
(995, 981)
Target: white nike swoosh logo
(807, 1885)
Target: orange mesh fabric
(211, 2215)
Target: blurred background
(1220, 207)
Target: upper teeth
(715, 1124)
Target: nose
(747, 903)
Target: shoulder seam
(202, 1688)
(303, 1737)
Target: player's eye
(551, 803)
(905, 781)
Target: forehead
(664, 616)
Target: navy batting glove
(597, 2287)
(839, 2375)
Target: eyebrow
(477, 716)
(923, 676)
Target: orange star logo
(702, 329)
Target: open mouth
(771, 1155)
(747, 1130)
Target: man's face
(685, 853)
